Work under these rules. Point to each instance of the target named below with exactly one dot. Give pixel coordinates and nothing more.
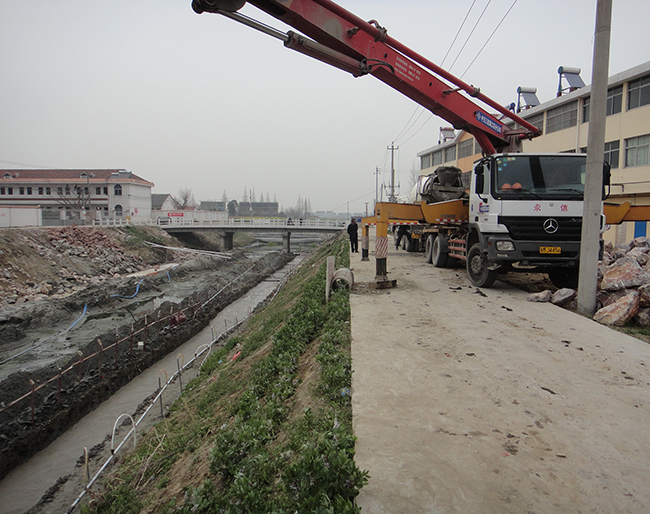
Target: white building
(79, 196)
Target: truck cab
(526, 212)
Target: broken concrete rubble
(623, 285)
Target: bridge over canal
(227, 228)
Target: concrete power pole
(590, 243)
(392, 148)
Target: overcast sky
(201, 102)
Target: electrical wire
(457, 33)
(470, 34)
(488, 40)
(410, 125)
(15, 163)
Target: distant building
(212, 206)
(257, 209)
(565, 125)
(162, 202)
(78, 196)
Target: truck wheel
(564, 277)
(428, 248)
(477, 267)
(439, 255)
(412, 245)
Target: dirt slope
(88, 297)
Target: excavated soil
(66, 297)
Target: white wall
(20, 217)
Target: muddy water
(25, 485)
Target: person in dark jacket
(353, 232)
(402, 231)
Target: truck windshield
(539, 176)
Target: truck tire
(439, 255)
(428, 248)
(564, 277)
(477, 267)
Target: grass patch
(270, 431)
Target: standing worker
(353, 232)
(401, 232)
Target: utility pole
(590, 242)
(392, 148)
(376, 184)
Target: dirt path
(483, 402)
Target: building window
(562, 117)
(425, 161)
(537, 120)
(59, 191)
(2, 190)
(105, 191)
(86, 191)
(21, 190)
(612, 151)
(48, 191)
(29, 190)
(40, 190)
(67, 190)
(466, 148)
(10, 190)
(98, 190)
(117, 190)
(436, 158)
(614, 103)
(638, 93)
(450, 153)
(118, 211)
(614, 100)
(637, 151)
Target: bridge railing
(230, 222)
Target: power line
(458, 33)
(405, 132)
(15, 163)
(488, 40)
(418, 130)
(470, 34)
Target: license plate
(550, 249)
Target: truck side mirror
(480, 181)
(607, 178)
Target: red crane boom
(360, 47)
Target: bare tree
(75, 198)
(185, 199)
(414, 176)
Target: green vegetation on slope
(268, 432)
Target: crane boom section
(378, 54)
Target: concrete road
(470, 401)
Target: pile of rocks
(72, 258)
(623, 286)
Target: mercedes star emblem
(551, 226)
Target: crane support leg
(381, 254)
(365, 242)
